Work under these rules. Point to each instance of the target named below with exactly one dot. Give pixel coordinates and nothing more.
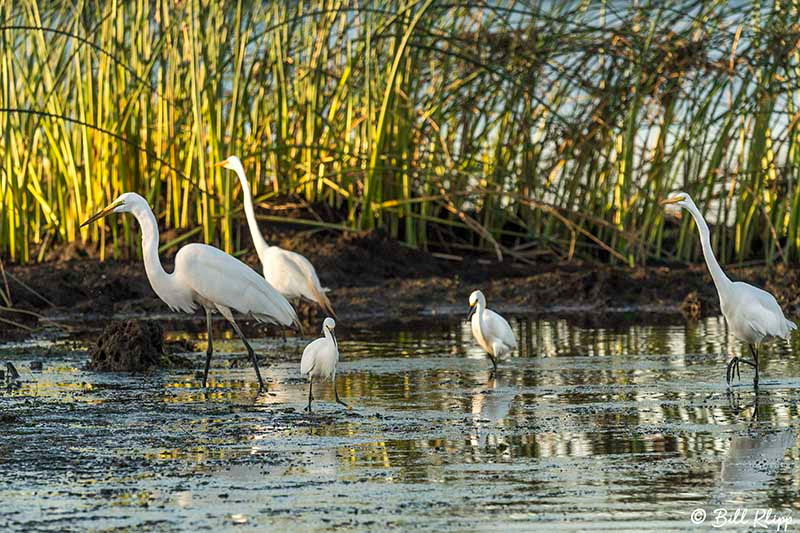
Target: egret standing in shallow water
(490, 329)
(204, 276)
(292, 274)
(320, 358)
(752, 314)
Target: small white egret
(752, 313)
(204, 276)
(490, 329)
(320, 358)
(289, 272)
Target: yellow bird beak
(673, 200)
(105, 212)
(221, 163)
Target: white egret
(320, 358)
(289, 272)
(204, 276)
(752, 313)
(490, 329)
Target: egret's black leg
(732, 364)
(336, 393)
(755, 365)
(252, 353)
(310, 397)
(210, 349)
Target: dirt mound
(131, 346)
(692, 307)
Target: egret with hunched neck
(289, 272)
(204, 276)
(490, 329)
(752, 314)
(320, 358)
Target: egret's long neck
(331, 337)
(158, 277)
(258, 239)
(721, 281)
(479, 312)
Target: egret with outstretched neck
(752, 314)
(204, 276)
(289, 272)
(490, 329)
(320, 358)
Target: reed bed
(516, 128)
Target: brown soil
(375, 280)
(131, 346)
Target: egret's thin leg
(755, 365)
(210, 349)
(494, 363)
(252, 353)
(336, 393)
(732, 365)
(310, 397)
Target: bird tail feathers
(323, 301)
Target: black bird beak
(472, 309)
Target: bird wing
(224, 280)
(498, 328)
(299, 274)
(761, 311)
(309, 356)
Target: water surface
(627, 427)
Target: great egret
(204, 276)
(289, 272)
(490, 329)
(752, 313)
(320, 358)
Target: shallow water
(628, 427)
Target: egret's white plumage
(204, 276)
(289, 272)
(490, 330)
(752, 314)
(320, 358)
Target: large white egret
(291, 273)
(204, 276)
(752, 314)
(320, 358)
(490, 329)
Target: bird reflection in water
(756, 454)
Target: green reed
(513, 128)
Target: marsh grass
(513, 128)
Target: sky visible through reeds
(510, 128)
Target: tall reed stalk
(514, 128)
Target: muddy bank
(375, 280)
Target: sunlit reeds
(513, 128)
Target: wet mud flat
(627, 427)
(375, 281)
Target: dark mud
(586, 428)
(132, 346)
(376, 281)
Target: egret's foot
(733, 366)
(307, 408)
(340, 402)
